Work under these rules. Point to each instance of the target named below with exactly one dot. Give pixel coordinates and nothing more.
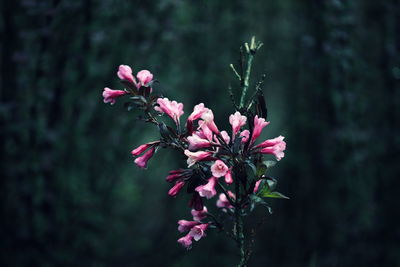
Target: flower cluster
(229, 164)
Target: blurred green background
(70, 193)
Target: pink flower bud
(207, 190)
(245, 134)
(225, 136)
(185, 226)
(196, 142)
(111, 95)
(219, 168)
(125, 73)
(140, 149)
(198, 111)
(208, 117)
(144, 77)
(259, 124)
(172, 108)
(186, 241)
(256, 186)
(141, 162)
(237, 121)
(176, 188)
(223, 202)
(271, 142)
(199, 215)
(228, 177)
(276, 150)
(194, 157)
(199, 231)
(204, 132)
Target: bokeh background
(70, 193)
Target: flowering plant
(229, 166)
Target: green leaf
(261, 107)
(274, 195)
(258, 200)
(269, 163)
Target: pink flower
(125, 73)
(199, 215)
(237, 121)
(256, 186)
(196, 142)
(207, 190)
(271, 142)
(198, 110)
(223, 202)
(172, 108)
(225, 136)
(245, 134)
(111, 95)
(199, 231)
(208, 117)
(141, 162)
(140, 149)
(259, 124)
(204, 132)
(174, 175)
(194, 157)
(144, 77)
(228, 177)
(185, 226)
(219, 168)
(186, 241)
(276, 150)
(176, 188)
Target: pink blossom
(140, 149)
(176, 188)
(225, 136)
(174, 175)
(256, 186)
(271, 142)
(223, 202)
(125, 73)
(207, 190)
(194, 157)
(144, 77)
(172, 108)
(185, 226)
(228, 177)
(196, 142)
(198, 111)
(199, 215)
(245, 134)
(219, 168)
(208, 117)
(204, 132)
(237, 121)
(259, 124)
(141, 162)
(186, 241)
(199, 231)
(111, 95)
(276, 150)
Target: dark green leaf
(275, 195)
(261, 107)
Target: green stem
(239, 225)
(246, 78)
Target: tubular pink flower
(204, 132)
(276, 150)
(223, 202)
(196, 142)
(144, 77)
(237, 121)
(111, 95)
(208, 117)
(259, 124)
(186, 241)
(140, 149)
(207, 190)
(176, 188)
(219, 168)
(271, 142)
(141, 162)
(194, 157)
(199, 215)
(225, 136)
(199, 231)
(173, 109)
(245, 134)
(256, 186)
(198, 111)
(185, 226)
(228, 177)
(125, 73)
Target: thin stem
(239, 224)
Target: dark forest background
(70, 193)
